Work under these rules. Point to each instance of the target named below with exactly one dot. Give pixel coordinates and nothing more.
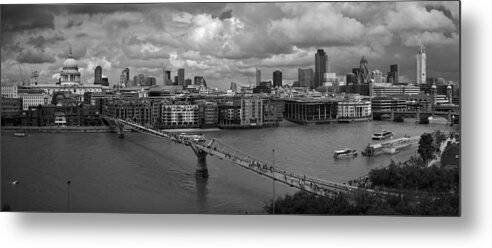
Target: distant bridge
(450, 115)
(221, 150)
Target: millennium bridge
(214, 147)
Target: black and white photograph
(250, 108)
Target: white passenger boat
(384, 134)
(345, 153)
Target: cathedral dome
(70, 63)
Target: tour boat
(345, 153)
(19, 134)
(384, 134)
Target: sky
(225, 42)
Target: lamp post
(68, 195)
(273, 174)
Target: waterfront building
(179, 116)
(208, 114)
(251, 111)
(11, 109)
(395, 90)
(311, 111)
(306, 78)
(10, 91)
(354, 110)
(181, 76)
(134, 109)
(33, 99)
(320, 63)
(388, 104)
(277, 79)
(98, 75)
(421, 65)
(229, 114)
(70, 75)
(258, 76)
(273, 111)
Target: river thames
(146, 174)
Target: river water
(146, 174)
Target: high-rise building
(258, 76)
(140, 80)
(306, 77)
(199, 80)
(377, 76)
(363, 75)
(351, 78)
(181, 76)
(175, 80)
(421, 65)
(168, 80)
(277, 79)
(320, 62)
(163, 75)
(98, 75)
(125, 77)
(393, 74)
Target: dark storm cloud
(26, 17)
(40, 41)
(34, 56)
(226, 14)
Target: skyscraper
(98, 75)
(258, 76)
(421, 65)
(363, 76)
(125, 77)
(393, 75)
(320, 62)
(305, 77)
(181, 76)
(168, 80)
(277, 79)
(163, 75)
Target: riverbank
(55, 129)
(191, 130)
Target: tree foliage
(426, 148)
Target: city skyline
(226, 42)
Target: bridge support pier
(201, 163)
(119, 129)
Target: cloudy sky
(225, 42)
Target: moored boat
(345, 153)
(19, 134)
(384, 134)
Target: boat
(384, 134)
(19, 134)
(345, 153)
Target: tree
(426, 149)
(439, 137)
